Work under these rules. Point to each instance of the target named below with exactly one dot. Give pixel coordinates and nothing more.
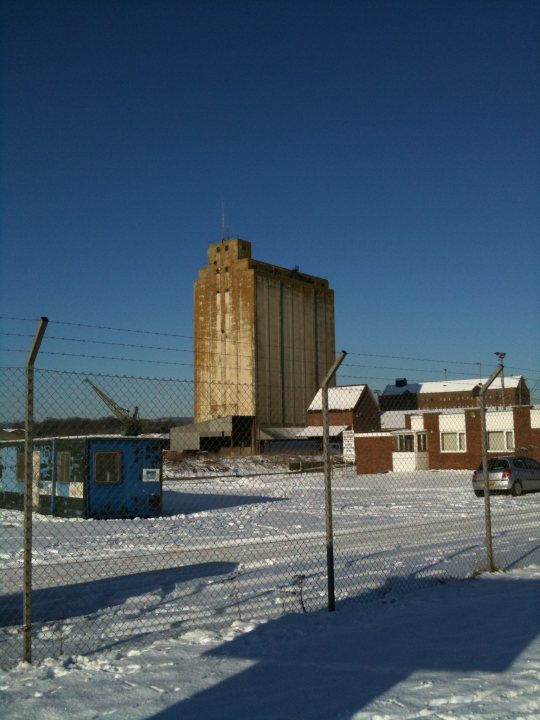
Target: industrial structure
(130, 422)
(264, 338)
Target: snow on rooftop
(339, 398)
(441, 386)
(317, 431)
(467, 385)
(392, 420)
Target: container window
(20, 465)
(107, 468)
(62, 466)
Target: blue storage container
(90, 477)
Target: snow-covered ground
(462, 649)
(217, 609)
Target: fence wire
(146, 519)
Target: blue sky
(392, 147)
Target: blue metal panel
(135, 495)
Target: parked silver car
(508, 474)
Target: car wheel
(517, 489)
(478, 493)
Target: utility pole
(28, 507)
(328, 480)
(501, 356)
(479, 392)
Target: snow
(344, 397)
(463, 649)
(511, 381)
(317, 430)
(422, 644)
(440, 386)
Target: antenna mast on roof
(222, 221)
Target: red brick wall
(473, 432)
(373, 454)
(526, 439)
(468, 460)
(335, 417)
(465, 399)
(367, 415)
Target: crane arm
(129, 421)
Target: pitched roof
(442, 386)
(345, 397)
(467, 385)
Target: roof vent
(401, 382)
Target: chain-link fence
(145, 519)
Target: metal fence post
(328, 481)
(28, 491)
(481, 391)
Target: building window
(500, 440)
(405, 443)
(107, 467)
(20, 465)
(421, 442)
(62, 466)
(453, 442)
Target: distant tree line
(107, 425)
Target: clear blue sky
(392, 147)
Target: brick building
(448, 439)
(453, 394)
(352, 406)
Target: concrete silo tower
(264, 337)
